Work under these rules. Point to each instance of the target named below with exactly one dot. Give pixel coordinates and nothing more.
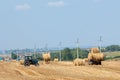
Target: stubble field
(109, 70)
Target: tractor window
(28, 57)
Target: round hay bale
(96, 57)
(85, 59)
(89, 56)
(55, 59)
(78, 62)
(94, 50)
(100, 56)
(46, 58)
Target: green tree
(113, 48)
(54, 55)
(66, 54)
(14, 56)
(37, 56)
(74, 52)
(83, 54)
(69, 54)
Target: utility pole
(34, 51)
(100, 40)
(77, 48)
(60, 50)
(25, 53)
(11, 54)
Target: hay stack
(55, 59)
(46, 58)
(85, 59)
(78, 62)
(94, 50)
(96, 57)
(90, 56)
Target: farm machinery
(30, 61)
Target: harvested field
(110, 70)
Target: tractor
(30, 61)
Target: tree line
(68, 54)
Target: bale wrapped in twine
(46, 58)
(94, 50)
(89, 56)
(55, 59)
(96, 57)
(78, 62)
(85, 59)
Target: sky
(26, 23)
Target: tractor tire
(99, 62)
(90, 63)
(27, 63)
(37, 64)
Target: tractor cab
(30, 61)
(28, 57)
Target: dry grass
(110, 70)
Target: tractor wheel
(99, 62)
(90, 63)
(37, 64)
(26, 63)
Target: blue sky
(24, 23)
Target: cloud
(56, 4)
(23, 7)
